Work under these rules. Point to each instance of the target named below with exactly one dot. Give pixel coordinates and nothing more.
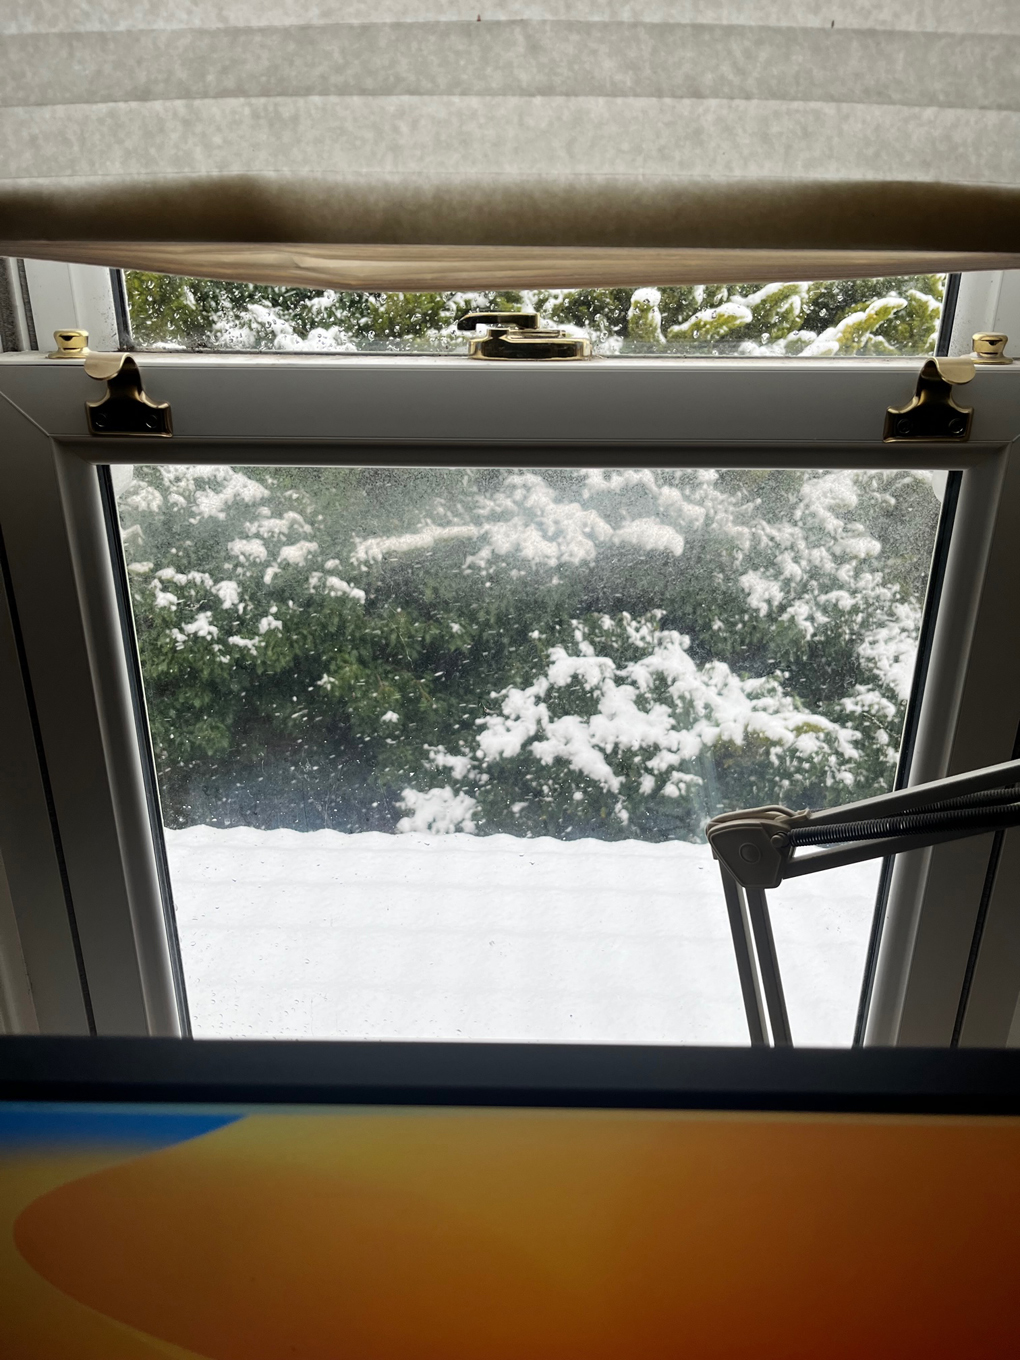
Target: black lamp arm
(762, 846)
(758, 847)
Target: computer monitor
(241, 1201)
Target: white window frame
(86, 936)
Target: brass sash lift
(933, 416)
(126, 411)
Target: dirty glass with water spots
(843, 318)
(436, 747)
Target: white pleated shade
(432, 143)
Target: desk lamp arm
(757, 848)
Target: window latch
(520, 335)
(990, 348)
(932, 416)
(125, 410)
(71, 344)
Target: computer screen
(688, 1225)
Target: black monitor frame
(571, 1076)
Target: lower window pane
(436, 747)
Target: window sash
(94, 801)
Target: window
(436, 747)
(416, 480)
(870, 317)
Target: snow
(247, 549)
(201, 626)
(375, 549)
(333, 585)
(297, 554)
(228, 593)
(668, 710)
(438, 811)
(290, 934)
(527, 521)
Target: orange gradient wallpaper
(488, 1234)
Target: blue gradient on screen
(37, 1123)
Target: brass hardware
(990, 348)
(125, 410)
(518, 335)
(933, 416)
(71, 344)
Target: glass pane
(436, 747)
(842, 318)
(821, 924)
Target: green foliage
(609, 654)
(859, 316)
(576, 653)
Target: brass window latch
(520, 335)
(990, 348)
(932, 416)
(125, 411)
(71, 344)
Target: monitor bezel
(570, 1076)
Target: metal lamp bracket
(759, 848)
(125, 410)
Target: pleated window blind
(439, 143)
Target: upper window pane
(436, 747)
(871, 317)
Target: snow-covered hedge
(857, 316)
(609, 653)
